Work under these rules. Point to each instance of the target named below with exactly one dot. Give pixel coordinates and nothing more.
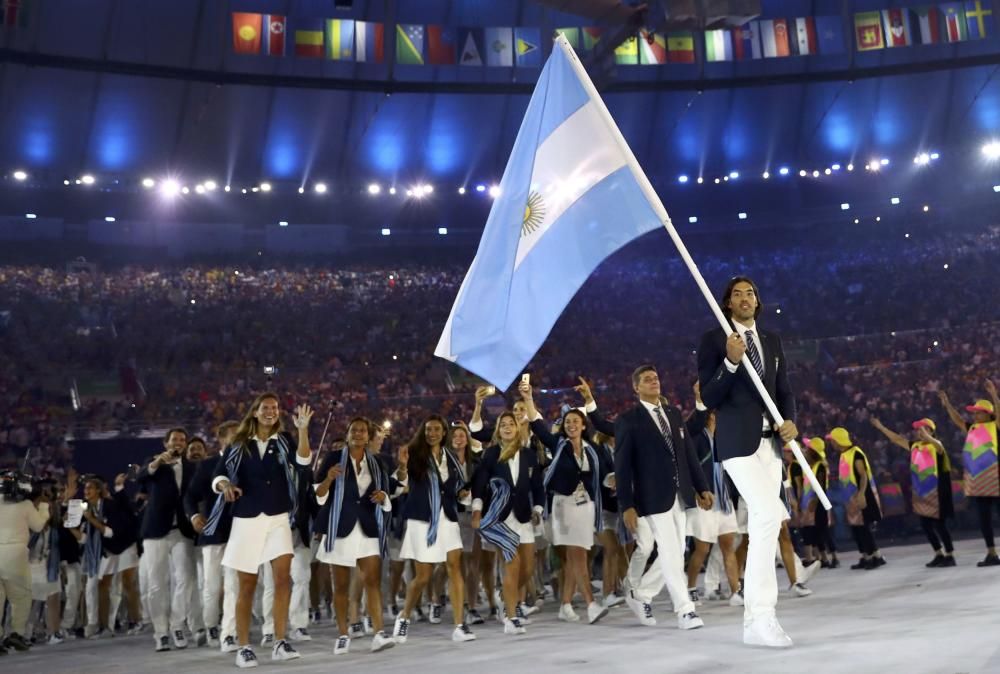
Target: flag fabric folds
(978, 20)
(246, 33)
(896, 27)
(275, 27)
(627, 53)
(804, 40)
(409, 44)
(369, 41)
(956, 29)
(830, 34)
(718, 46)
(929, 24)
(652, 48)
(564, 206)
(340, 39)
(309, 39)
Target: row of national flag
(776, 38)
(928, 24)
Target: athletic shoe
(613, 599)
(765, 631)
(213, 637)
(736, 599)
(284, 651)
(990, 560)
(301, 634)
(472, 617)
(522, 614)
(421, 617)
(356, 630)
(369, 626)
(567, 614)
(162, 643)
(834, 563)
(825, 565)
(528, 609)
(57, 638)
(463, 633)
(104, 633)
(267, 640)
(380, 642)
(935, 562)
(715, 595)
(513, 626)
(229, 645)
(343, 645)
(394, 610)
(400, 630)
(862, 565)
(879, 561)
(595, 612)
(689, 621)
(314, 616)
(695, 597)
(434, 613)
(200, 638)
(246, 658)
(799, 590)
(180, 641)
(948, 560)
(808, 571)
(642, 610)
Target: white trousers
(73, 589)
(15, 584)
(667, 531)
(171, 569)
(298, 609)
(758, 479)
(220, 584)
(93, 601)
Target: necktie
(753, 354)
(665, 431)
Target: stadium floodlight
(922, 159)
(392, 190)
(302, 190)
(320, 188)
(480, 188)
(883, 161)
(199, 188)
(210, 185)
(734, 175)
(87, 179)
(783, 171)
(148, 183)
(30, 216)
(935, 156)
(494, 191)
(802, 173)
(815, 174)
(992, 150)
(717, 181)
(442, 230)
(227, 188)
(386, 231)
(700, 180)
(693, 219)
(170, 188)
(894, 201)
(850, 167)
(109, 218)
(926, 208)
(836, 167)
(265, 187)
(765, 175)
(282, 223)
(682, 178)
(845, 207)
(742, 216)
(828, 171)
(374, 188)
(185, 190)
(461, 190)
(20, 176)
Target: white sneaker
(162, 643)
(105, 633)
(267, 640)
(527, 610)
(642, 610)
(400, 629)
(767, 632)
(513, 626)
(595, 612)
(434, 614)
(800, 590)
(284, 651)
(356, 630)
(213, 637)
(229, 645)
(245, 658)
(613, 600)
(301, 634)
(695, 596)
(57, 638)
(179, 640)
(463, 633)
(380, 642)
(803, 573)
(200, 638)
(522, 615)
(369, 626)
(343, 645)
(689, 621)
(737, 599)
(567, 614)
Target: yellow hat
(925, 422)
(817, 445)
(840, 436)
(981, 406)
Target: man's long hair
(724, 300)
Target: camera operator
(22, 510)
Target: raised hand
(403, 456)
(482, 393)
(524, 389)
(943, 397)
(990, 388)
(303, 414)
(584, 390)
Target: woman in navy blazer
(508, 488)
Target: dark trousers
(984, 504)
(865, 539)
(937, 533)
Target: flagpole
(661, 213)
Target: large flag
(440, 45)
(652, 48)
(369, 41)
(868, 31)
(499, 47)
(680, 47)
(718, 46)
(564, 206)
(309, 38)
(976, 17)
(805, 41)
(896, 24)
(930, 24)
(830, 34)
(471, 41)
(528, 47)
(956, 29)
(275, 27)
(246, 33)
(14, 13)
(409, 44)
(340, 39)
(627, 53)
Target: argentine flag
(571, 195)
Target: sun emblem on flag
(534, 213)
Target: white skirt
(449, 537)
(41, 587)
(708, 525)
(349, 549)
(113, 564)
(572, 524)
(256, 540)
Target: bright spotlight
(282, 223)
(170, 187)
(428, 189)
(922, 159)
(850, 167)
(682, 178)
(873, 166)
(65, 182)
(765, 175)
(320, 188)
(109, 218)
(30, 216)
(845, 207)
(386, 231)
(265, 187)
(480, 188)
(857, 221)
(836, 167)
(783, 170)
(996, 188)
(409, 193)
(734, 175)
(828, 171)
(461, 190)
(992, 150)
(878, 218)
(717, 181)
(227, 188)
(20, 176)
(442, 230)
(200, 189)
(210, 185)
(883, 161)
(894, 201)
(815, 174)
(726, 178)
(392, 190)
(185, 190)
(255, 189)
(148, 183)
(693, 219)
(935, 156)
(87, 179)
(802, 173)
(700, 180)
(374, 188)
(742, 216)
(926, 208)
(494, 191)
(302, 190)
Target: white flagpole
(661, 213)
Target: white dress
(347, 550)
(449, 536)
(573, 515)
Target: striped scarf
(595, 476)
(381, 482)
(93, 548)
(492, 529)
(434, 494)
(49, 551)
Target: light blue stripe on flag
(568, 200)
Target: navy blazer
(527, 493)
(567, 474)
(164, 504)
(263, 480)
(117, 514)
(609, 497)
(739, 409)
(644, 471)
(200, 498)
(418, 503)
(356, 507)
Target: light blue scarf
(491, 528)
(595, 475)
(381, 482)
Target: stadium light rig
(386, 231)
(461, 190)
(170, 188)
(494, 191)
(319, 188)
(783, 171)
(992, 150)
(87, 179)
(148, 183)
(682, 179)
(265, 187)
(20, 176)
(375, 188)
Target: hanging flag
(627, 53)
(955, 28)
(246, 33)
(652, 48)
(774, 38)
(274, 27)
(930, 24)
(830, 34)
(781, 37)
(499, 47)
(896, 27)
(806, 41)
(409, 44)
(868, 31)
(340, 39)
(309, 39)
(15, 13)
(717, 46)
(975, 16)
(746, 42)
(369, 41)
(570, 197)
(591, 36)
(528, 47)
(440, 45)
(572, 36)
(472, 40)
(680, 47)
